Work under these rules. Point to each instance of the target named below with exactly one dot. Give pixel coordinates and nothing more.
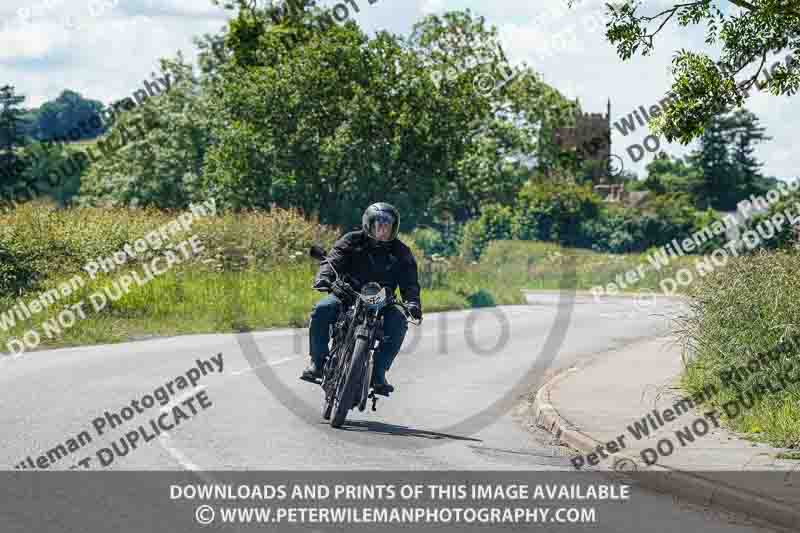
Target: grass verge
(256, 259)
(736, 314)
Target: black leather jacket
(394, 267)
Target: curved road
(451, 369)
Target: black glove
(341, 289)
(414, 310)
(322, 285)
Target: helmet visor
(384, 218)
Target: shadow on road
(401, 431)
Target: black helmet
(384, 213)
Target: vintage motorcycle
(356, 334)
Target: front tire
(345, 400)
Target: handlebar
(408, 315)
(318, 253)
(355, 295)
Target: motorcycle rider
(373, 253)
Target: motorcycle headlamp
(373, 294)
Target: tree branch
(742, 3)
(671, 12)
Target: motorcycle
(356, 334)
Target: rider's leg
(322, 316)
(395, 326)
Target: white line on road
(166, 441)
(182, 397)
(251, 369)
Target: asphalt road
(460, 381)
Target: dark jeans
(324, 314)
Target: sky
(105, 49)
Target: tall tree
(719, 188)
(730, 171)
(160, 161)
(322, 117)
(745, 133)
(12, 138)
(58, 118)
(504, 116)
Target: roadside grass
(204, 296)
(254, 273)
(736, 314)
(548, 266)
(196, 299)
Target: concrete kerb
(692, 488)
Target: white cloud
(432, 6)
(28, 42)
(105, 57)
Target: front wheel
(349, 388)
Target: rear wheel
(346, 395)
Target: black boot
(379, 383)
(313, 371)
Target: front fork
(375, 345)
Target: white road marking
(166, 441)
(251, 369)
(182, 397)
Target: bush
(495, 223)
(664, 218)
(20, 266)
(481, 298)
(554, 212)
(430, 241)
(667, 217)
(610, 232)
(738, 312)
(39, 242)
(787, 236)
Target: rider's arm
(409, 282)
(339, 255)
